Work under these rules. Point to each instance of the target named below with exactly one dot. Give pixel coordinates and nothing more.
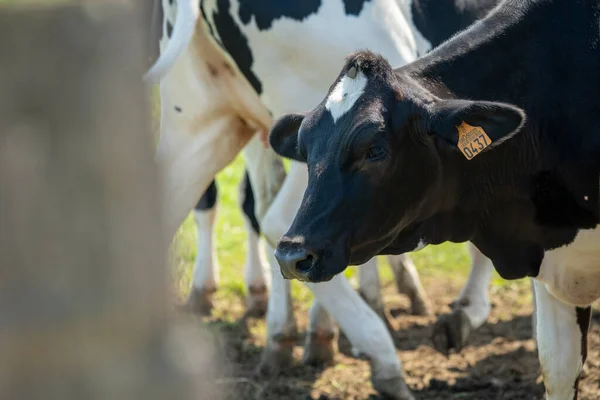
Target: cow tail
(188, 12)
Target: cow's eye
(376, 153)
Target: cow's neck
(519, 54)
(512, 205)
(500, 202)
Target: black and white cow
(210, 110)
(213, 100)
(493, 138)
(437, 21)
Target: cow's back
(290, 53)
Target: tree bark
(83, 275)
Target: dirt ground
(500, 363)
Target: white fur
(407, 278)
(365, 330)
(254, 270)
(296, 61)
(345, 94)
(280, 316)
(569, 277)
(572, 273)
(319, 320)
(368, 281)
(420, 246)
(183, 30)
(266, 173)
(559, 344)
(476, 292)
(422, 44)
(534, 313)
(206, 266)
(280, 215)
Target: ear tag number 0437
(472, 140)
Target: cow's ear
(284, 136)
(480, 123)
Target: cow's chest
(572, 272)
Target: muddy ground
(500, 363)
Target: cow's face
(376, 150)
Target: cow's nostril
(304, 266)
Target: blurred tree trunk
(83, 277)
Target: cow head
(376, 148)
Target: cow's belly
(572, 273)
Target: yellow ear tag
(472, 140)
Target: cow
(213, 101)
(211, 106)
(437, 21)
(493, 137)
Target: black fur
(248, 204)
(437, 20)
(264, 13)
(209, 198)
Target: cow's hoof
(199, 301)
(451, 331)
(318, 349)
(257, 301)
(277, 356)
(392, 388)
(420, 306)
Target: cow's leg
(409, 283)
(318, 344)
(470, 309)
(370, 291)
(206, 267)
(281, 325)
(370, 288)
(367, 333)
(266, 174)
(562, 343)
(534, 312)
(254, 273)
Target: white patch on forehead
(344, 95)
